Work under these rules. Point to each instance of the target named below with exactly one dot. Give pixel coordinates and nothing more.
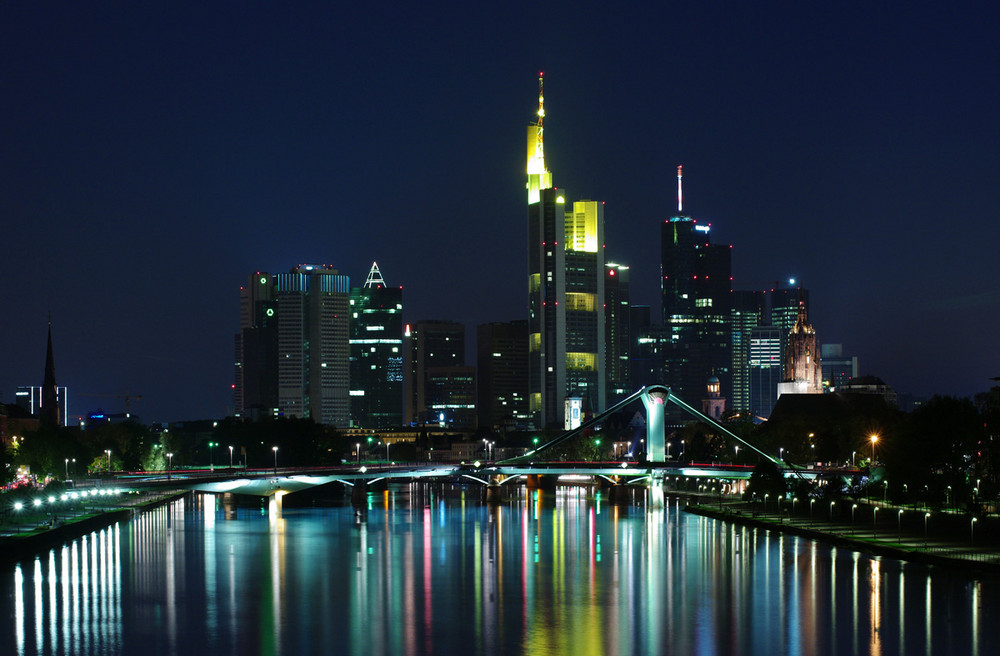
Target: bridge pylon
(654, 399)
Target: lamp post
(927, 516)
(885, 491)
(853, 508)
(67, 469)
(230, 456)
(832, 504)
(972, 531)
(682, 449)
(668, 450)
(874, 521)
(899, 525)
(781, 451)
(853, 453)
(170, 464)
(387, 452)
(357, 451)
(737, 452)
(275, 450)
(108, 451)
(211, 459)
(874, 439)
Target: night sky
(153, 157)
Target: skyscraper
(765, 368)
(566, 292)
(696, 286)
(749, 310)
(617, 332)
(292, 349)
(434, 349)
(502, 374)
(376, 346)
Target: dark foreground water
(430, 570)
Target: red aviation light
(611, 273)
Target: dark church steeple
(50, 396)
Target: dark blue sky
(152, 157)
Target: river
(428, 569)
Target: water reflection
(429, 569)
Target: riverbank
(890, 540)
(22, 545)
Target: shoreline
(15, 548)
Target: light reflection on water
(433, 570)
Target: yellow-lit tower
(565, 292)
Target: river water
(433, 570)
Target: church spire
(50, 396)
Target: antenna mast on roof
(680, 194)
(374, 278)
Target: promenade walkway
(909, 533)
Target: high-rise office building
(431, 345)
(292, 349)
(696, 286)
(617, 332)
(502, 374)
(376, 347)
(749, 310)
(764, 368)
(566, 349)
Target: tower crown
(374, 278)
(538, 176)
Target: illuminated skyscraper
(696, 285)
(376, 345)
(566, 292)
(749, 310)
(292, 349)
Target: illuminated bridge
(531, 467)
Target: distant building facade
(838, 369)
(617, 333)
(502, 375)
(292, 349)
(765, 369)
(433, 349)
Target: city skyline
(155, 156)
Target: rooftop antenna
(680, 193)
(539, 150)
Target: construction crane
(128, 396)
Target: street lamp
(781, 451)
(927, 516)
(874, 521)
(832, 504)
(874, 439)
(682, 449)
(108, 451)
(67, 469)
(972, 531)
(899, 525)
(853, 453)
(170, 464)
(275, 450)
(211, 460)
(737, 452)
(357, 451)
(853, 508)
(387, 452)
(230, 456)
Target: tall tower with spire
(566, 346)
(376, 353)
(50, 395)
